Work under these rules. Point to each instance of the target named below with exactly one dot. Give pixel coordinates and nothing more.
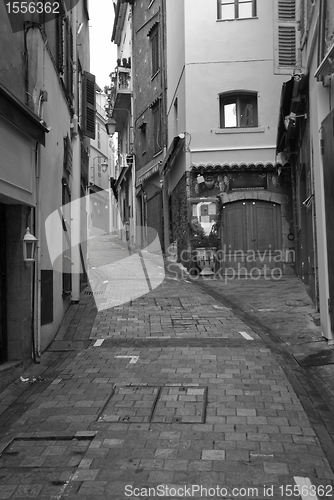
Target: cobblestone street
(195, 389)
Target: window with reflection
(236, 9)
(238, 110)
(204, 215)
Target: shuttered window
(65, 54)
(287, 9)
(286, 36)
(155, 51)
(88, 105)
(286, 45)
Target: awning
(326, 67)
(290, 104)
(172, 152)
(13, 110)
(149, 172)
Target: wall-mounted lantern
(29, 247)
(111, 126)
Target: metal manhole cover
(130, 404)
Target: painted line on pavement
(98, 342)
(133, 359)
(306, 489)
(246, 336)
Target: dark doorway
(3, 286)
(328, 169)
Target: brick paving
(166, 393)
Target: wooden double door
(251, 238)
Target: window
(236, 9)
(157, 144)
(238, 109)
(154, 37)
(65, 54)
(142, 138)
(98, 135)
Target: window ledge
(157, 153)
(237, 19)
(239, 130)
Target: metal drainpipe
(322, 26)
(75, 207)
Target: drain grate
(156, 404)
(90, 292)
(321, 358)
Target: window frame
(155, 51)
(236, 10)
(157, 127)
(236, 96)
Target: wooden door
(251, 237)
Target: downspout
(322, 29)
(294, 204)
(165, 207)
(36, 285)
(75, 207)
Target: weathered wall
(180, 226)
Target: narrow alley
(181, 392)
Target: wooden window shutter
(70, 66)
(286, 35)
(88, 105)
(287, 9)
(61, 44)
(286, 45)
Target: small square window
(236, 9)
(238, 110)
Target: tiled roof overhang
(223, 167)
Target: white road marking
(305, 489)
(261, 455)
(98, 342)
(246, 336)
(133, 359)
